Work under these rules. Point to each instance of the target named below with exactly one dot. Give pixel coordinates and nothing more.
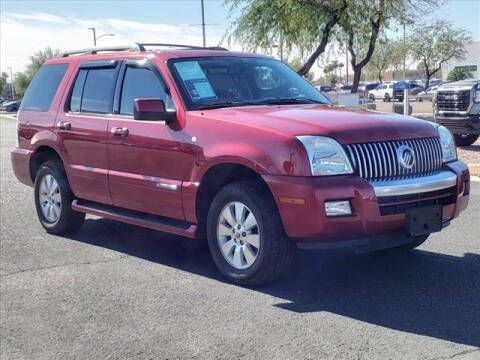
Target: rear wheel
(372, 97)
(465, 139)
(53, 200)
(386, 98)
(417, 241)
(245, 235)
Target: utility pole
(203, 24)
(11, 83)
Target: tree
(38, 59)
(21, 82)
(305, 26)
(3, 81)
(363, 21)
(435, 44)
(458, 74)
(381, 58)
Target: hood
(344, 124)
(466, 84)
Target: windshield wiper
(225, 104)
(286, 101)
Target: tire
(60, 219)
(420, 99)
(273, 251)
(386, 98)
(372, 97)
(465, 140)
(417, 241)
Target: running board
(138, 218)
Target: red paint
(140, 171)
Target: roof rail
(137, 47)
(190, 47)
(134, 47)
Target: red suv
(233, 147)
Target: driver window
(138, 84)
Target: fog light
(338, 208)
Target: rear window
(43, 87)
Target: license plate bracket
(423, 220)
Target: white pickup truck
(457, 107)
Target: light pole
(11, 83)
(95, 37)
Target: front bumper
(306, 222)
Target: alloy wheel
(238, 235)
(50, 198)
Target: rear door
(82, 128)
(147, 161)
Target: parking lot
(115, 291)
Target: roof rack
(137, 47)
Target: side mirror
(151, 109)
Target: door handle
(119, 131)
(64, 125)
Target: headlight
(476, 94)
(326, 156)
(449, 153)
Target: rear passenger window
(76, 98)
(43, 87)
(98, 90)
(138, 84)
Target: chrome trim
(172, 187)
(442, 180)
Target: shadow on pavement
(419, 292)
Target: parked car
(427, 95)
(235, 148)
(10, 106)
(383, 91)
(325, 88)
(457, 107)
(364, 89)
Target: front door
(146, 159)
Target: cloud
(50, 18)
(20, 37)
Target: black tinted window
(97, 92)
(43, 87)
(76, 98)
(138, 84)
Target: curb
(474, 169)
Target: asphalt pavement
(115, 291)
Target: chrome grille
(379, 161)
(453, 100)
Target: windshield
(209, 82)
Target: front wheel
(465, 139)
(53, 200)
(245, 235)
(386, 98)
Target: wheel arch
(41, 154)
(216, 177)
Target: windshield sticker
(196, 82)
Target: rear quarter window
(43, 87)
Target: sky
(27, 26)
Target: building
(470, 63)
